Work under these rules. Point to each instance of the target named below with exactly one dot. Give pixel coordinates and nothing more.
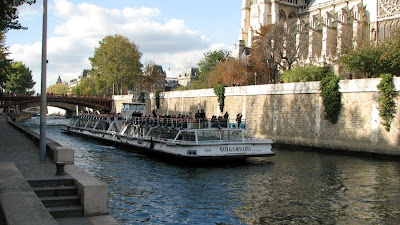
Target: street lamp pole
(255, 78)
(43, 99)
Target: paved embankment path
(18, 149)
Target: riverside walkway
(18, 149)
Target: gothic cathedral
(331, 23)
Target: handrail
(196, 123)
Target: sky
(171, 33)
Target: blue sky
(172, 33)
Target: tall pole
(43, 100)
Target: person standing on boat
(226, 115)
(202, 114)
(225, 119)
(239, 119)
(154, 113)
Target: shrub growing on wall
(219, 90)
(387, 104)
(331, 98)
(306, 73)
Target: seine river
(289, 188)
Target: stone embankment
(19, 162)
(293, 114)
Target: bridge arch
(68, 103)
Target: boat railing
(197, 123)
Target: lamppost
(255, 78)
(43, 99)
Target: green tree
(20, 79)
(150, 74)
(306, 73)
(5, 64)
(116, 64)
(207, 64)
(87, 86)
(390, 59)
(58, 89)
(8, 20)
(364, 61)
(9, 14)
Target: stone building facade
(187, 76)
(333, 25)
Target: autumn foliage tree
(150, 76)
(206, 65)
(280, 46)
(230, 72)
(259, 65)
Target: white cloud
(168, 41)
(27, 10)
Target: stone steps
(58, 195)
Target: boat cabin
(129, 108)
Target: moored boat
(178, 137)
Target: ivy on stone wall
(219, 90)
(331, 98)
(158, 92)
(386, 100)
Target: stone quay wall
(293, 114)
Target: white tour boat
(177, 137)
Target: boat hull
(181, 150)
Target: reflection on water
(290, 188)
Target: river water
(292, 187)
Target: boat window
(155, 132)
(140, 107)
(208, 135)
(125, 107)
(232, 135)
(186, 136)
(247, 134)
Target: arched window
(387, 30)
(292, 15)
(381, 32)
(282, 15)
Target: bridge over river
(69, 103)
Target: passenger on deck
(154, 112)
(239, 119)
(226, 115)
(202, 114)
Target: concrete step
(55, 191)
(51, 181)
(66, 211)
(55, 201)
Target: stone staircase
(59, 196)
